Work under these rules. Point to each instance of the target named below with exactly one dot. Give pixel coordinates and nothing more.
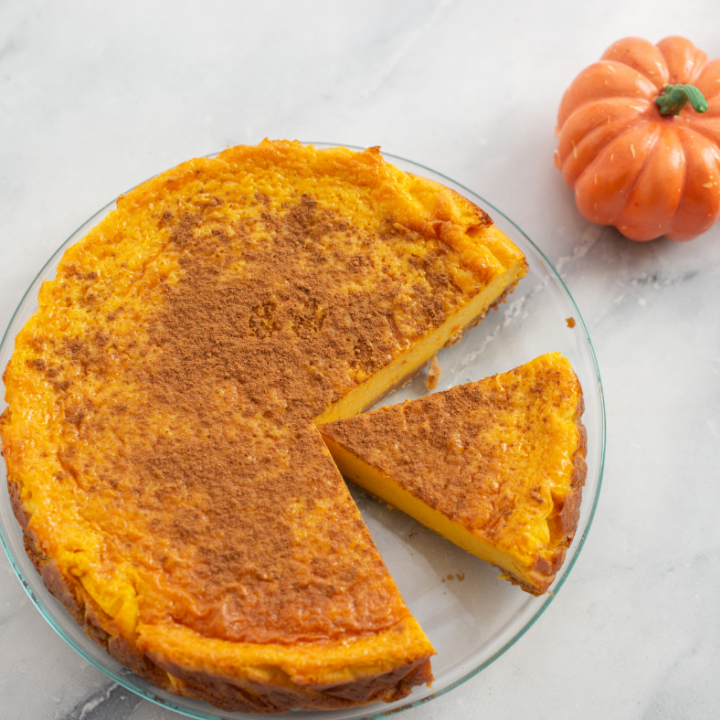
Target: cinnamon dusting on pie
(273, 317)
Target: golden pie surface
(161, 451)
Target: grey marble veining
(95, 97)
(111, 701)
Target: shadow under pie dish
(160, 442)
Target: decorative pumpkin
(640, 139)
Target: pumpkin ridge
(656, 147)
(569, 103)
(671, 225)
(685, 137)
(643, 167)
(641, 52)
(646, 161)
(708, 82)
(601, 166)
(635, 69)
(614, 138)
(597, 130)
(702, 130)
(668, 48)
(698, 72)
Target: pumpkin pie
(160, 437)
(496, 466)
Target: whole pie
(160, 436)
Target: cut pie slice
(496, 466)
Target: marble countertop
(95, 97)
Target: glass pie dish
(470, 615)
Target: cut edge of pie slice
(496, 466)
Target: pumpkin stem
(676, 97)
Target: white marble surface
(95, 97)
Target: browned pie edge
(564, 518)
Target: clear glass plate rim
(188, 712)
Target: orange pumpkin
(637, 157)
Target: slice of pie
(496, 466)
(162, 455)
